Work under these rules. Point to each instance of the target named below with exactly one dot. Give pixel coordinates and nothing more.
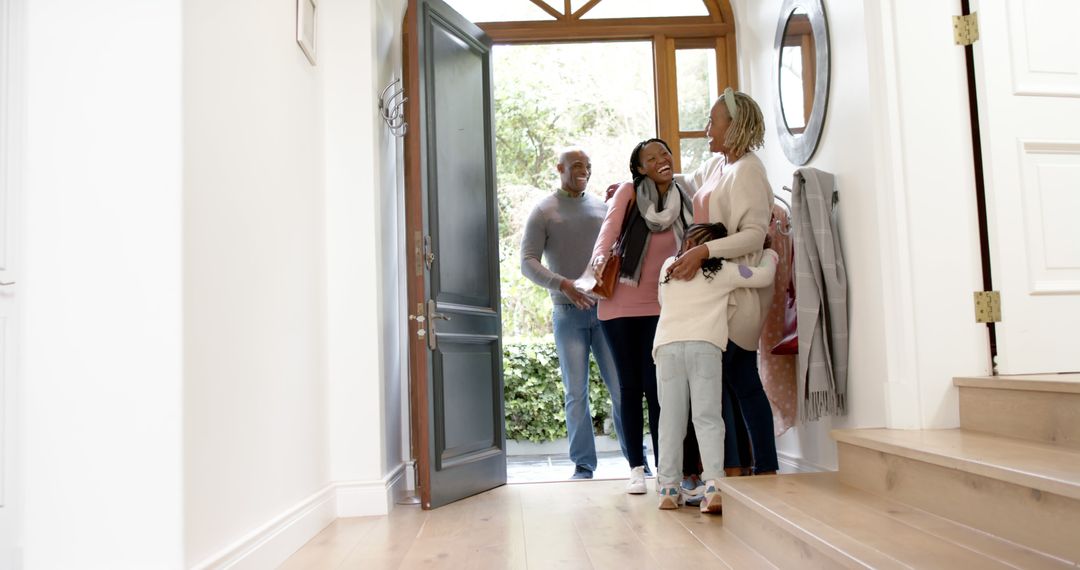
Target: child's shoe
(693, 490)
(670, 497)
(711, 503)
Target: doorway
(681, 53)
(598, 96)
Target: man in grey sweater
(562, 229)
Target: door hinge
(966, 29)
(987, 307)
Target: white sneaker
(636, 486)
(670, 498)
(712, 502)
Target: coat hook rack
(392, 108)
(784, 229)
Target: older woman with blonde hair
(732, 188)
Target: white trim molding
(269, 545)
(370, 498)
(272, 543)
(799, 464)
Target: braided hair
(746, 131)
(696, 235)
(635, 158)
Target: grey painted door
(453, 140)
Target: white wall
(930, 227)
(363, 243)
(394, 368)
(895, 138)
(214, 236)
(101, 288)
(254, 279)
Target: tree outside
(598, 96)
(595, 95)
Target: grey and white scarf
(676, 214)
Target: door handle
(6, 283)
(432, 316)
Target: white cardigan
(697, 309)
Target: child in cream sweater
(688, 351)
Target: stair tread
(722, 543)
(1066, 383)
(858, 529)
(1042, 466)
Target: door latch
(420, 320)
(432, 316)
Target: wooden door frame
(416, 286)
(717, 31)
(666, 34)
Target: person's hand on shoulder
(611, 191)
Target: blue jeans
(689, 371)
(576, 332)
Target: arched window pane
(646, 9)
(501, 11)
(556, 4)
(576, 5)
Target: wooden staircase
(1002, 491)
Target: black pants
(742, 381)
(631, 340)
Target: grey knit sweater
(561, 230)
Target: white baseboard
(269, 545)
(370, 498)
(272, 543)
(798, 464)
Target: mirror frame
(800, 148)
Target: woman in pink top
(647, 218)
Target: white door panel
(1028, 83)
(1044, 60)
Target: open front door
(451, 211)
(1028, 85)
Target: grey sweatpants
(687, 372)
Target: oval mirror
(802, 64)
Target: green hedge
(534, 391)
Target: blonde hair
(747, 130)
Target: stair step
(1036, 465)
(1027, 492)
(814, 520)
(1041, 407)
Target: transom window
(693, 50)
(524, 10)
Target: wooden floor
(581, 524)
